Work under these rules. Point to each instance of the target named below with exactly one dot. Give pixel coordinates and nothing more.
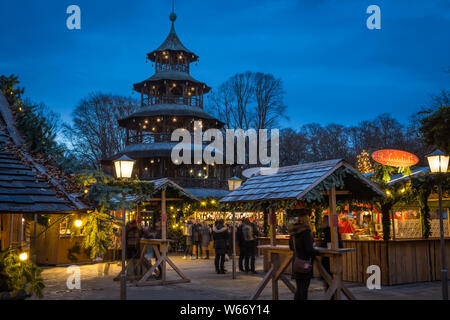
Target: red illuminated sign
(395, 158)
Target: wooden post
(333, 219)
(35, 241)
(273, 230)
(163, 215)
(233, 269)
(123, 278)
(163, 232)
(11, 230)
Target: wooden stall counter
(401, 261)
(281, 258)
(160, 247)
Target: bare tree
(249, 100)
(269, 94)
(95, 133)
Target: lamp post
(233, 184)
(124, 168)
(438, 162)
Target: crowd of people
(199, 236)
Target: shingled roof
(294, 182)
(172, 43)
(22, 190)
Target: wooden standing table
(281, 257)
(162, 260)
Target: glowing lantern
(395, 158)
(124, 167)
(438, 162)
(234, 183)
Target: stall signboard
(395, 158)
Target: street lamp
(233, 184)
(438, 162)
(124, 168)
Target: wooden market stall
(165, 191)
(303, 185)
(28, 191)
(407, 257)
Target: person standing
(197, 237)
(301, 242)
(250, 234)
(206, 238)
(220, 235)
(188, 234)
(132, 235)
(240, 242)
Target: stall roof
(294, 182)
(204, 193)
(416, 172)
(163, 183)
(166, 182)
(21, 189)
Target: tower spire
(173, 16)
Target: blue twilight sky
(334, 69)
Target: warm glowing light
(234, 183)
(23, 256)
(86, 191)
(213, 201)
(159, 120)
(438, 162)
(203, 203)
(174, 119)
(146, 121)
(78, 223)
(395, 158)
(171, 207)
(124, 167)
(388, 192)
(403, 190)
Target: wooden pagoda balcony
(150, 137)
(196, 101)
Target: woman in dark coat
(220, 235)
(301, 233)
(206, 238)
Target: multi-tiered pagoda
(172, 99)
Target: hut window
(64, 228)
